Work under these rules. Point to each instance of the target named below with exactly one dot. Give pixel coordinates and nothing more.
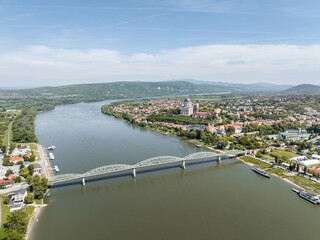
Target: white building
(188, 108)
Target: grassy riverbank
(5, 211)
(289, 177)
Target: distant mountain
(255, 87)
(115, 90)
(303, 89)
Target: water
(205, 201)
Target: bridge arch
(157, 160)
(107, 169)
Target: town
(280, 133)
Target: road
(10, 126)
(44, 163)
(15, 187)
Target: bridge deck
(145, 163)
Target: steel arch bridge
(145, 163)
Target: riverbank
(275, 175)
(34, 218)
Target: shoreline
(33, 220)
(275, 175)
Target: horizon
(198, 82)
(75, 42)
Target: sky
(59, 42)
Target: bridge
(143, 164)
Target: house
(315, 171)
(19, 196)
(16, 159)
(37, 168)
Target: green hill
(303, 89)
(101, 91)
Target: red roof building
(16, 159)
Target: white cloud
(41, 65)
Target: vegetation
(303, 89)
(14, 223)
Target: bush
(29, 198)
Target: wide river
(204, 201)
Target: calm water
(205, 201)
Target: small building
(19, 196)
(315, 171)
(37, 168)
(315, 156)
(16, 207)
(309, 162)
(16, 159)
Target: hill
(248, 87)
(117, 90)
(303, 89)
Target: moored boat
(51, 148)
(309, 197)
(261, 172)
(51, 156)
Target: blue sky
(65, 42)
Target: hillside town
(279, 131)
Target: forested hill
(303, 89)
(101, 91)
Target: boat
(48, 194)
(166, 134)
(199, 145)
(51, 156)
(295, 190)
(51, 148)
(261, 172)
(309, 197)
(56, 168)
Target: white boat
(51, 148)
(51, 156)
(56, 168)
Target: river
(205, 201)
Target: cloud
(42, 65)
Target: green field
(255, 162)
(5, 138)
(280, 153)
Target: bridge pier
(83, 181)
(134, 173)
(219, 159)
(183, 164)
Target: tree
(24, 172)
(3, 184)
(231, 130)
(39, 186)
(305, 170)
(8, 173)
(18, 220)
(259, 155)
(221, 144)
(31, 169)
(17, 179)
(13, 235)
(29, 198)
